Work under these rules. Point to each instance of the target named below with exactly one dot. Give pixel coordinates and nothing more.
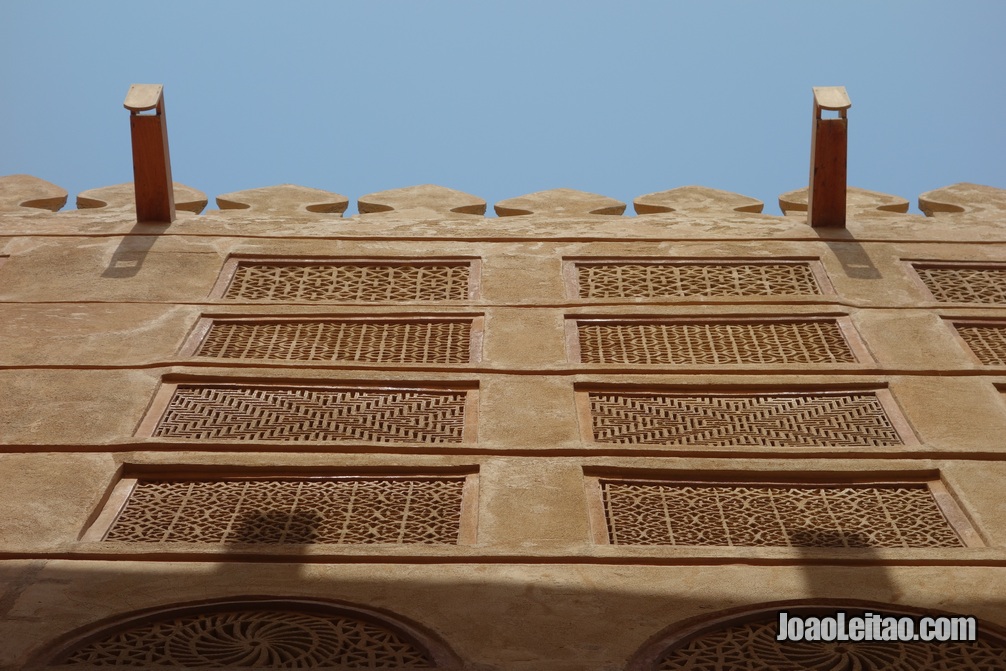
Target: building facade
(267, 436)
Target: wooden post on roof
(828, 157)
(155, 198)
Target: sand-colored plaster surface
(100, 316)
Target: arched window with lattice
(251, 634)
(747, 640)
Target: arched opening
(747, 640)
(253, 633)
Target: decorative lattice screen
(751, 515)
(949, 283)
(211, 412)
(708, 420)
(637, 279)
(349, 281)
(987, 341)
(714, 342)
(251, 638)
(350, 510)
(371, 341)
(754, 645)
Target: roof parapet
(962, 197)
(284, 199)
(423, 196)
(695, 199)
(560, 202)
(148, 129)
(118, 196)
(17, 191)
(855, 200)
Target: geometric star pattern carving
(679, 280)
(786, 342)
(787, 420)
(205, 412)
(752, 646)
(254, 639)
(963, 284)
(357, 510)
(349, 281)
(839, 516)
(445, 342)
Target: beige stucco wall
(95, 308)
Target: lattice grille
(351, 510)
(442, 341)
(964, 284)
(349, 281)
(849, 420)
(844, 516)
(986, 341)
(255, 639)
(311, 413)
(811, 341)
(752, 646)
(679, 280)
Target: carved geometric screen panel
(714, 342)
(853, 419)
(638, 279)
(349, 281)
(753, 646)
(751, 515)
(245, 638)
(987, 341)
(444, 341)
(346, 510)
(206, 412)
(963, 283)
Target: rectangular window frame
(162, 397)
(857, 346)
(956, 322)
(886, 399)
(946, 501)
(117, 496)
(198, 334)
(230, 267)
(572, 283)
(916, 279)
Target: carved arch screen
(751, 645)
(246, 636)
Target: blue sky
(500, 99)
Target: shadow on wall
(495, 617)
(128, 257)
(818, 578)
(855, 261)
(749, 637)
(298, 528)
